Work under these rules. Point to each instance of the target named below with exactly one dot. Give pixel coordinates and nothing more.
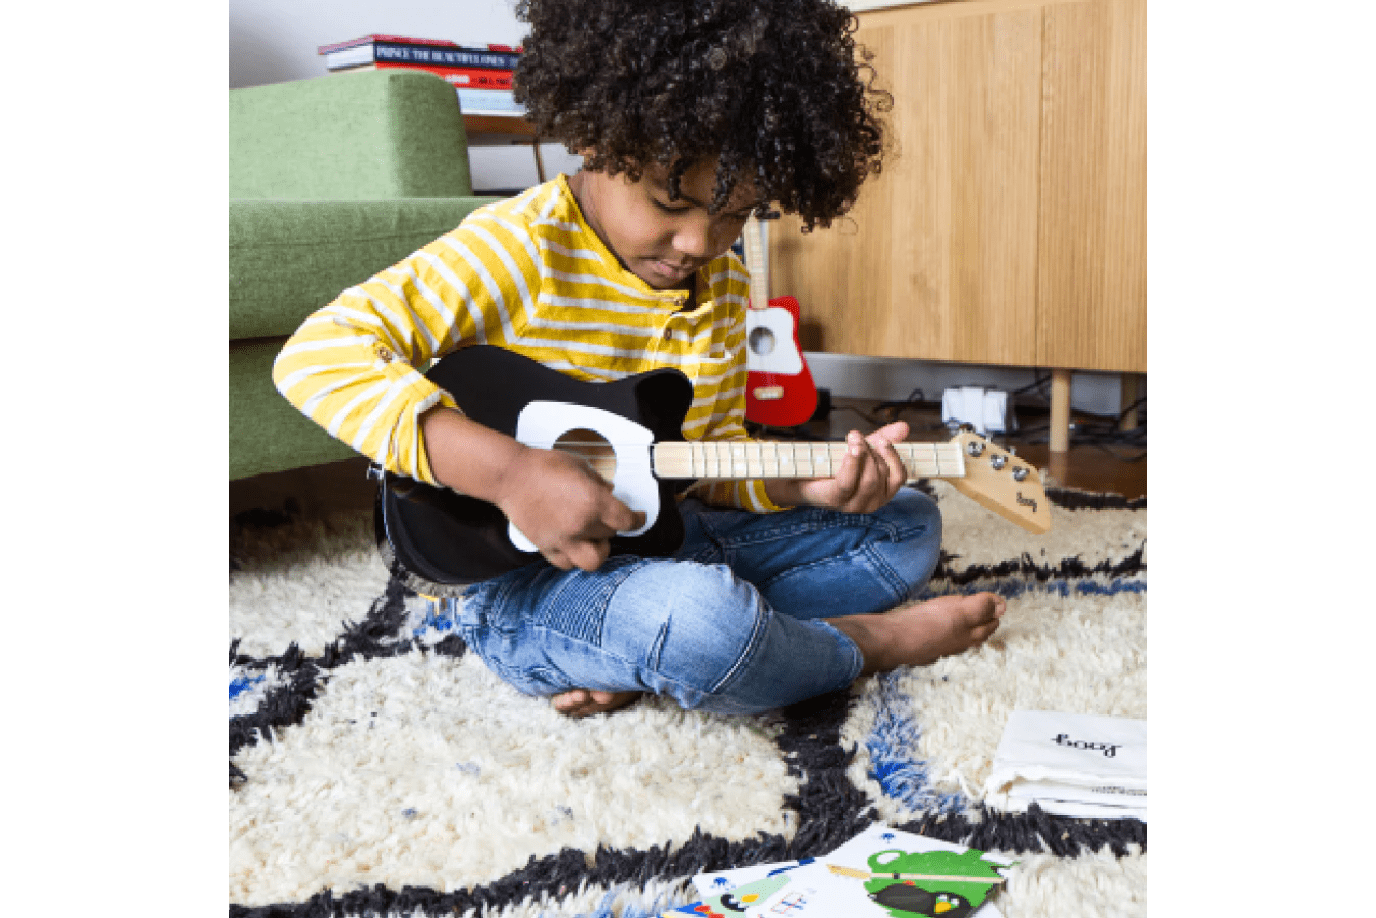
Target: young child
(690, 115)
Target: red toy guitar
(779, 391)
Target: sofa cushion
(366, 134)
(289, 258)
(266, 432)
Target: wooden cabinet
(1008, 225)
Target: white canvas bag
(1071, 765)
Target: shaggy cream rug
(378, 769)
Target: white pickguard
(541, 423)
(783, 358)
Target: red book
(467, 77)
(406, 40)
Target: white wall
(272, 41)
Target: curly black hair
(774, 87)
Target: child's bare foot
(582, 702)
(922, 633)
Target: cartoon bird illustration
(909, 897)
(934, 884)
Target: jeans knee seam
(752, 646)
(652, 659)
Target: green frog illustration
(905, 883)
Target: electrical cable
(915, 398)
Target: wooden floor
(1099, 459)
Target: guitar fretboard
(737, 459)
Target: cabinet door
(1092, 250)
(938, 259)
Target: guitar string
(602, 454)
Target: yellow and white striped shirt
(527, 274)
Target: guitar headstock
(1000, 481)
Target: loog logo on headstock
(1001, 482)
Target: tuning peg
(998, 461)
(1020, 473)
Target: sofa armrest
(289, 258)
(374, 134)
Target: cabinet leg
(1129, 398)
(539, 160)
(1060, 411)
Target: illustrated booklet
(881, 873)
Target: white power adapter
(986, 410)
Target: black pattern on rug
(286, 705)
(830, 811)
(1025, 568)
(829, 808)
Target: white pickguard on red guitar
(779, 391)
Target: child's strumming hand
(554, 498)
(869, 476)
(565, 508)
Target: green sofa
(330, 181)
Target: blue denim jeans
(730, 624)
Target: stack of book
(482, 76)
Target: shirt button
(668, 334)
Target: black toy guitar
(630, 433)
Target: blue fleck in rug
(377, 769)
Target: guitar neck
(748, 459)
(754, 258)
(935, 877)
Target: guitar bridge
(767, 393)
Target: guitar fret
(761, 459)
(919, 461)
(950, 461)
